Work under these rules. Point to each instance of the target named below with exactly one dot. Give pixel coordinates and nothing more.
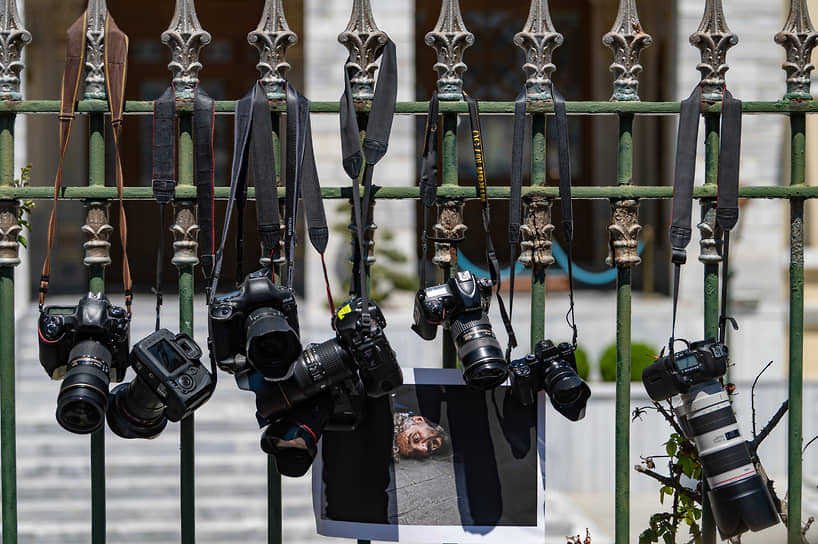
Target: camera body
(255, 327)
(171, 367)
(461, 306)
(676, 373)
(553, 369)
(93, 318)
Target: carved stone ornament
(626, 39)
(369, 235)
(798, 37)
(95, 50)
(536, 234)
(450, 227)
(713, 39)
(185, 37)
(450, 38)
(624, 234)
(13, 37)
(185, 234)
(272, 37)
(97, 232)
(364, 40)
(538, 39)
(9, 233)
(710, 242)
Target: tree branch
(753, 396)
(768, 428)
(670, 418)
(670, 482)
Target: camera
(170, 384)
(739, 496)
(553, 369)
(326, 385)
(87, 347)
(255, 327)
(461, 305)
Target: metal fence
(449, 38)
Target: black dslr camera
(461, 305)
(255, 328)
(554, 369)
(86, 344)
(325, 386)
(739, 495)
(170, 384)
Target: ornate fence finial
(9, 233)
(185, 37)
(624, 234)
(536, 234)
(95, 50)
(364, 40)
(626, 39)
(798, 37)
(13, 37)
(185, 234)
(97, 232)
(538, 39)
(272, 37)
(713, 39)
(450, 38)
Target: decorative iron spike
(798, 37)
(713, 39)
(449, 226)
(624, 234)
(626, 39)
(538, 39)
(97, 233)
(185, 37)
(9, 234)
(710, 235)
(364, 41)
(272, 37)
(95, 50)
(450, 38)
(185, 234)
(13, 37)
(536, 234)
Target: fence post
(798, 37)
(272, 37)
(185, 37)
(449, 38)
(626, 40)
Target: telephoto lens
(83, 396)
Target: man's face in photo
(418, 439)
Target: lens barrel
(83, 396)
(567, 391)
(479, 352)
(272, 344)
(134, 411)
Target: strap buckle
(678, 255)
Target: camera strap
(727, 196)
(428, 177)
(482, 190)
(164, 180)
(115, 63)
(357, 156)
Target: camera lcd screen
(171, 360)
(60, 311)
(687, 362)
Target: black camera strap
(727, 201)
(482, 190)
(357, 156)
(428, 177)
(163, 176)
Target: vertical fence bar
(450, 178)
(538, 177)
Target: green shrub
(641, 356)
(583, 367)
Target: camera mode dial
(52, 327)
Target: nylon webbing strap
(376, 141)
(204, 116)
(727, 202)
(482, 190)
(428, 176)
(115, 63)
(516, 194)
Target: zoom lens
(83, 395)
(568, 393)
(479, 352)
(272, 345)
(135, 412)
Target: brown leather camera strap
(116, 54)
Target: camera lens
(135, 412)
(83, 395)
(479, 352)
(272, 345)
(567, 391)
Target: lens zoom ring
(330, 356)
(462, 324)
(725, 460)
(712, 421)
